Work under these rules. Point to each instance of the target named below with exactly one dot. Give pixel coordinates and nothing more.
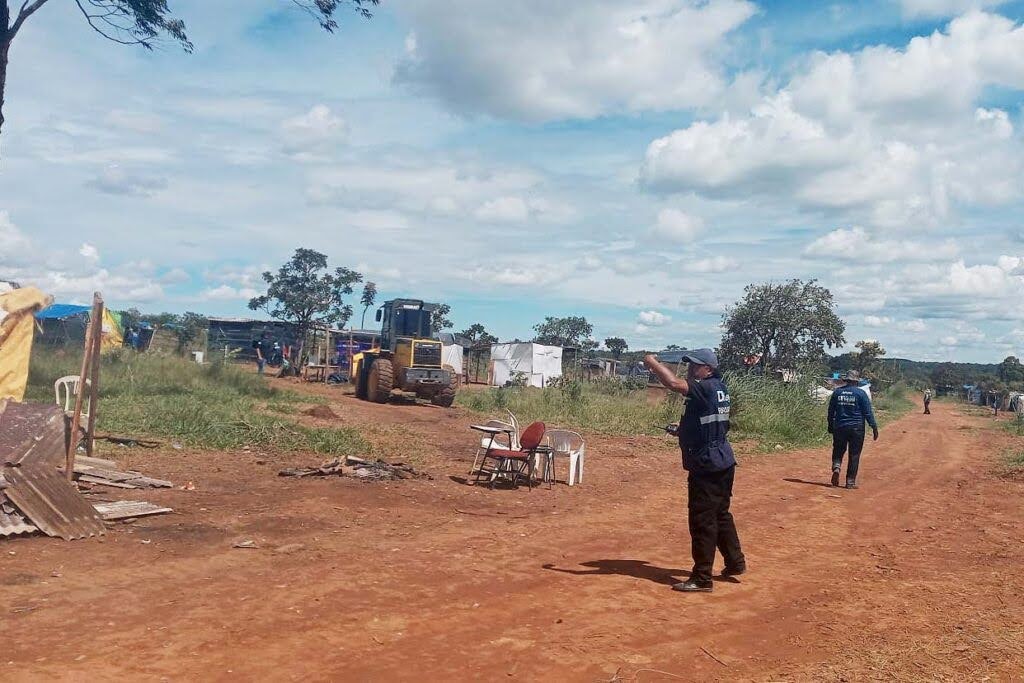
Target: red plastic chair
(515, 463)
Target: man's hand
(874, 433)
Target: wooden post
(94, 389)
(93, 332)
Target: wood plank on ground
(122, 509)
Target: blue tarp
(61, 311)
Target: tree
(569, 331)
(1011, 370)
(305, 293)
(144, 23)
(870, 352)
(367, 299)
(948, 375)
(674, 347)
(477, 334)
(439, 318)
(786, 325)
(617, 345)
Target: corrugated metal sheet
(11, 521)
(50, 501)
(32, 432)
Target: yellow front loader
(407, 359)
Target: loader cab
(404, 319)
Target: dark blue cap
(702, 357)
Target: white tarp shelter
(540, 364)
(451, 354)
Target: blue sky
(638, 163)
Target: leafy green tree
(368, 298)
(869, 353)
(674, 347)
(308, 295)
(572, 330)
(948, 374)
(144, 23)
(439, 318)
(786, 325)
(478, 334)
(1011, 370)
(617, 345)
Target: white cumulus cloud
(677, 226)
(538, 60)
(652, 319)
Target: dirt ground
(916, 576)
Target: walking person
(927, 401)
(848, 410)
(263, 347)
(708, 458)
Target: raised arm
(666, 376)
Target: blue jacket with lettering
(704, 426)
(850, 407)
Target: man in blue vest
(710, 463)
(848, 410)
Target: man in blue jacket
(848, 410)
(709, 460)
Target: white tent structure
(540, 364)
(451, 354)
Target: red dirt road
(916, 576)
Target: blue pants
(843, 439)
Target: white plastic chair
(569, 445)
(517, 429)
(65, 390)
(489, 441)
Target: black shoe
(835, 477)
(734, 571)
(694, 587)
(852, 485)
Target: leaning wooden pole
(94, 388)
(92, 331)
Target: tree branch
(24, 13)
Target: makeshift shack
(233, 337)
(536, 363)
(65, 325)
(452, 355)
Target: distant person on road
(263, 348)
(709, 460)
(927, 401)
(848, 410)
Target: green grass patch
(892, 404)
(216, 405)
(765, 410)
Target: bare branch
(24, 13)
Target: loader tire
(445, 396)
(381, 381)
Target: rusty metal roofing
(32, 432)
(50, 501)
(11, 521)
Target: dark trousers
(843, 439)
(927, 408)
(711, 523)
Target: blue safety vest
(704, 427)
